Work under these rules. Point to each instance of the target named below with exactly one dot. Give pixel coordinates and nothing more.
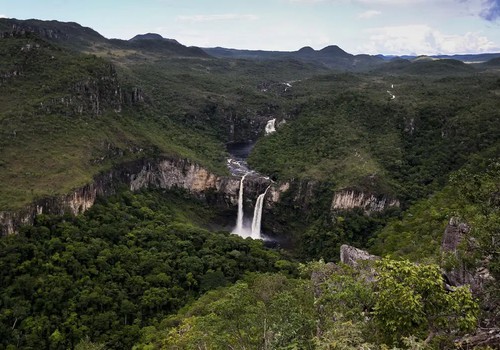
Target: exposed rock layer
(350, 199)
(163, 173)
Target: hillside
(353, 132)
(67, 116)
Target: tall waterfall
(257, 215)
(270, 126)
(239, 220)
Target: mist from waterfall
(257, 215)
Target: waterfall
(239, 220)
(257, 215)
(270, 126)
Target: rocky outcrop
(484, 339)
(352, 256)
(453, 235)
(453, 247)
(74, 203)
(275, 193)
(164, 173)
(184, 174)
(94, 95)
(351, 199)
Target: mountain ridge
(77, 37)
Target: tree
(411, 300)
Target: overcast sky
(358, 26)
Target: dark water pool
(240, 150)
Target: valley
(162, 196)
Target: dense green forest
(128, 262)
(154, 269)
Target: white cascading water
(239, 220)
(270, 126)
(257, 215)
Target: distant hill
(152, 36)
(76, 37)
(69, 34)
(331, 56)
(494, 62)
(471, 58)
(425, 66)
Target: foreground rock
(352, 256)
(455, 245)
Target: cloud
(376, 2)
(491, 11)
(369, 14)
(220, 17)
(3, 16)
(424, 40)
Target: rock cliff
(164, 173)
(350, 199)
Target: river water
(239, 152)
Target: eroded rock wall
(163, 173)
(351, 199)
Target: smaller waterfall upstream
(239, 220)
(257, 215)
(270, 126)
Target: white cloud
(219, 17)
(424, 40)
(369, 14)
(3, 16)
(378, 2)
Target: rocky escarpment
(455, 246)
(166, 173)
(94, 95)
(351, 199)
(163, 173)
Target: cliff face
(164, 173)
(350, 199)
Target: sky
(391, 27)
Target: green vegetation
(128, 262)
(411, 300)
(338, 309)
(470, 196)
(350, 132)
(60, 125)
